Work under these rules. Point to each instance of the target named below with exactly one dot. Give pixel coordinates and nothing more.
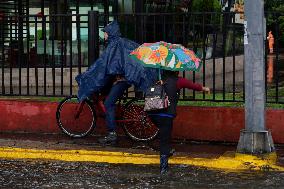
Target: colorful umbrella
(167, 56)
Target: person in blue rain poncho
(114, 65)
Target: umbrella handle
(160, 82)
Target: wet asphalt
(55, 174)
(58, 174)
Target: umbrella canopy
(167, 56)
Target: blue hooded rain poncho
(115, 60)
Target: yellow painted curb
(232, 162)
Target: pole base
(255, 142)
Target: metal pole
(139, 8)
(93, 33)
(106, 12)
(255, 138)
(20, 43)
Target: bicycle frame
(101, 109)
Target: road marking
(229, 161)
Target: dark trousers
(165, 125)
(115, 93)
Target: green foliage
(39, 34)
(275, 15)
(270, 5)
(212, 15)
(206, 6)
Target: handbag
(156, 98)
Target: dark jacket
(173, 94)
(115, 60)
(170, 83)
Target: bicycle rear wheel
(137, 125)
(76, 119)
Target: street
(45, 173)
(56, 174)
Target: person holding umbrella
(164, 118)
(169, 58)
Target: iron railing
(40, 56)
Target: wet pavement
(55, 174)
(16, 173)
(59, 141)
(55, 141)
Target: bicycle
(78, 119)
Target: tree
(275, 17)
(206, 6)
(269, 5)
(212, 9)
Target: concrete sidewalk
(59, 147)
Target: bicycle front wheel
(76, 119)
(137, 125)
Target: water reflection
(269, 69)
(54, 174)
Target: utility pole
(255, 138)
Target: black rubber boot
(110, 139)
(172, 152)
(164, 167)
